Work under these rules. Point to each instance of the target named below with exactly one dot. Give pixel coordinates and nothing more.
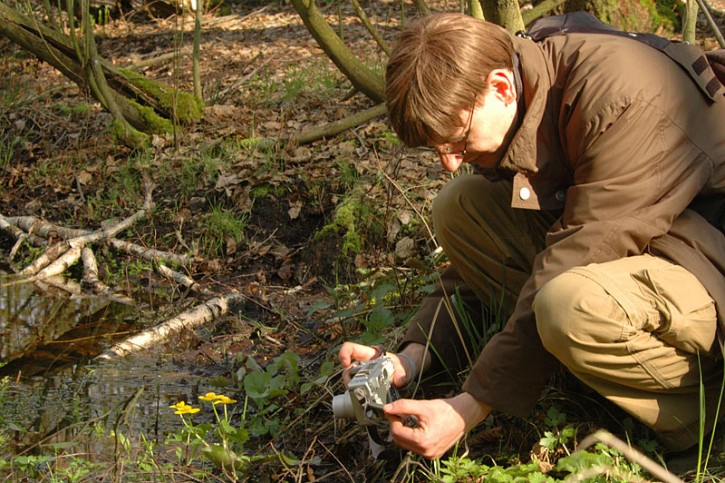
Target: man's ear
(502, 82)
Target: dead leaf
(405, 248)
(393, 230)
(294, 211)
(231, 246)
(280, 251)
(272, 125)
(84, 177)
(405, 217)
(286, 270)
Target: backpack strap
(716, 58)
(711, 81)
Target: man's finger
(402, 407)
(351, 351)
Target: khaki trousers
(640, 330)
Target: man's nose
(450, 162)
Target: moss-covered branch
(145, 105)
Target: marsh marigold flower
(215, 398)
(208, 397)
(183, 408)
(222, 399)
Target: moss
(665, 14)
(67, 109)
(153, 123)
(129, 136)
(350, 214)
(187, 106)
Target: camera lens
(342, 406)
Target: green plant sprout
(557, 438)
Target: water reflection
(51, 327)
(58, 395)
(83, 404)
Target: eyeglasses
(448, 149)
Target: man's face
(486, 128)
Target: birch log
(190, 319)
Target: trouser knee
(459, 204)
(566, 308)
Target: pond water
(58, 394)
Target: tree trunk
(506, 13)
(365, 80)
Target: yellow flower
(215, 398)
(222, 399)
(209, 397)
(183, 408)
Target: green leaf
(379, 319)
(256, 385)
(225, 458)
(319, 305)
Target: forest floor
(306, 234)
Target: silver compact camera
(370, 388)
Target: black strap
(710, 81)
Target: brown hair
(438, 67)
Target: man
(595, 218)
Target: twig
(62, 283)
(711, 23)
(18, 233)
(151, 254)
(631, 454)
(48, 256)
(222, 93)
(330, 129)
(371, 28)
(41, 228)
(111, 231)
(412, 206)
(179, 278)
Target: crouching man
(594, 219)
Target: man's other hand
(350, 352)
(440, 422)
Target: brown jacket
(633, 150)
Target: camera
(370, 388)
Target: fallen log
(188, 320)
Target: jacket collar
(521, 155)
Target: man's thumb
(400, 406)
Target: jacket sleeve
(634, 172)
(433, 323)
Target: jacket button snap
(560, 196)
(525, 193)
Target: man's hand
(351, 351)
(441, 422)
